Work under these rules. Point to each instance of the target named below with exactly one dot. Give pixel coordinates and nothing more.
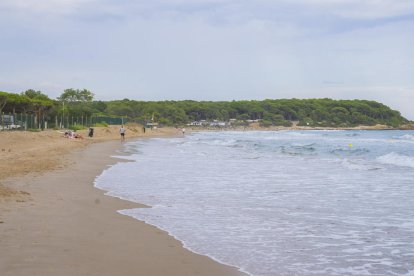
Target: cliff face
(409, 126)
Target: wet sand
(54, 222)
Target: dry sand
(27, 152)
(54, 222)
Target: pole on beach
(62, 123)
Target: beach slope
(54, 222)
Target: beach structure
(8, 122)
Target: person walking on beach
(122, 132)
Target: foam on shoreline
(67, 221)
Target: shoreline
(63, 225)
(56, 222)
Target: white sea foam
(358, 165)
(405, 137)
(278, 203)
(397, 160)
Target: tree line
(312, 112)
(280, 112)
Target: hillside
(310, 112)
(78, 106)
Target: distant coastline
(77, 109)
(256, 127)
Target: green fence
(109, 120)
(29, 121)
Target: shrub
(77, 127)
(265, 123)
(101, 124)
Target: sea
(278, 202)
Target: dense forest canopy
(312, 112)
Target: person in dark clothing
(90, 133)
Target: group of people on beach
(72, 135)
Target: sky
(211, 49)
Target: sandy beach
(54, 222)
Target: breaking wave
(279, 203)
(405, 137)
(397, 160)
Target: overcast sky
(211, 49)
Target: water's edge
(204, 191)
(124, 158)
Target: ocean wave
(296, 149)
(217, 142)
(358, 166)
(353, 134)
(350, 151)
(405, 137)
(397, 160)
(308, 200)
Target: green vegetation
(77, 107)
(35, 108)
(101, 124)
(77, 127)
(310, 112)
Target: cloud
(248, 10)
(210, 50)
(356, 9)
(43, 6)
